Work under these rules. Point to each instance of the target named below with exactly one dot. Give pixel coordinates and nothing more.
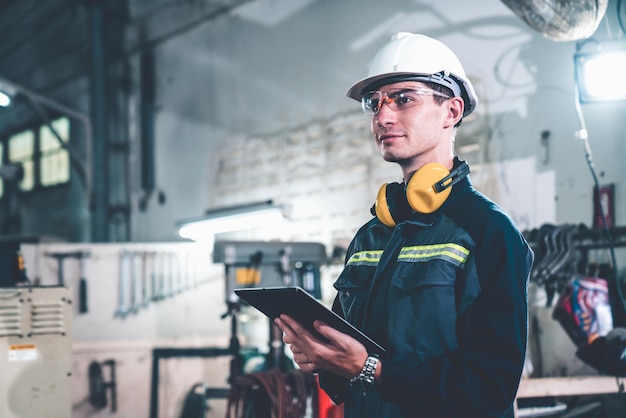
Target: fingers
(308, 367)
(288, 324)
(294, 342)
(301, 358)
(289, 333)
(327, 331)
(298, 341)
(293, 331)
(304, 362)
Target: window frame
(37, 156)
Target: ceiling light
(7, 92)
(270, 12)
(231, 219)
(600, 74)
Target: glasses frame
(384, 98)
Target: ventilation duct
(560, 20)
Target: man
(439, 276)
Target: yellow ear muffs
(426, 191)
(391, 206)
(421, 191)
(382, 208)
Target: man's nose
(385, 114)
(384, 100)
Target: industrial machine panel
(35, 352)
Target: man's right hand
(340, 354)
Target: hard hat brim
(361, 87)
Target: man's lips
(389, 136)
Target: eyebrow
(400, 91)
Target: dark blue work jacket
(446, 295)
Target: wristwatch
(365, 379)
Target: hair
(441, 89)
(440, 100)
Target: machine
(35, 352)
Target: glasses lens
(405, 98)
(370, 102)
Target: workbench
(569, 386)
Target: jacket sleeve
(481, 376)
(333, 385)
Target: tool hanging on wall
(154, 277)
(134, 265)
(556, 257)
(82, 283)
(147, 288)
(167, 275)
(98, 386)
(80, 255)
(123, 284)
(151, 276)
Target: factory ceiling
(47, 43)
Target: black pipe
(148, 99)
(99, 221)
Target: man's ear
(455, 106)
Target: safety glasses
(399, 99)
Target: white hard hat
(417, 57)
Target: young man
(439, 276)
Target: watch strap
(365, 379)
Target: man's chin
(391, 158)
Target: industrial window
(22, 151)
(55, 160)
(45, 161)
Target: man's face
(411, 133)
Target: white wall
(187, 316)
(236, 79)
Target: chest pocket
(428, 274)
(434, 265)
(353, 286)
(425, 303)
(416, 277)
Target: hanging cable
(583, 135)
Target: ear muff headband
(453, 177)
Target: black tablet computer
(304, 308)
